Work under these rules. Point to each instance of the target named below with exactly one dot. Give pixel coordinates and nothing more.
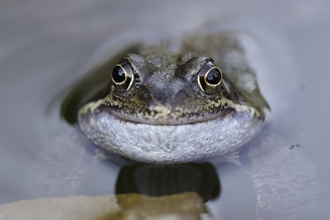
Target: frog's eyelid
(195, 61)
(136, 63)
(199, 83)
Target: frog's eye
(122, 76)
(209, 77)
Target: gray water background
(44, 47)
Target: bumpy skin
(166, 116)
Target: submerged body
(177, 103)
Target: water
(46, 46)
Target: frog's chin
(169, 143)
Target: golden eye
(122, 76)
(209, 77)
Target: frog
(182, 101)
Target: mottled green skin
(165, 88)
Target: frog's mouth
(162, 118)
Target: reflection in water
(286, 184)
(163, 191)
(177, 206)
(160, 180)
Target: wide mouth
(164, 119)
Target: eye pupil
(213, 77)
(118, 74)
(210, 77)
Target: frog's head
(171, 90)
(155, 99)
